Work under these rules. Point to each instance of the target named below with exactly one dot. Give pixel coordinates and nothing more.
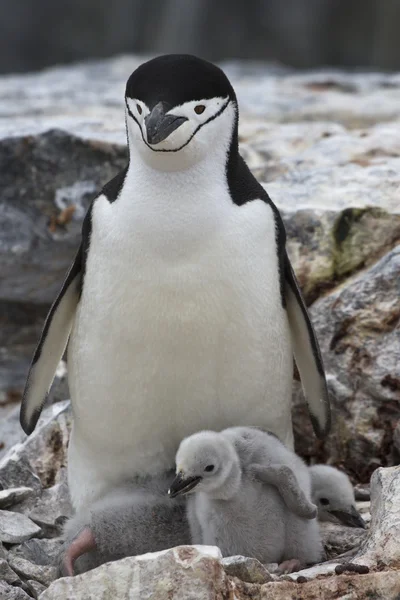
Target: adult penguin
(181, 307)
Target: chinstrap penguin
(181, 308)
(333, 494)
(132, 519)
(233, 508)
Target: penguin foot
(82, 543)
(290, 566)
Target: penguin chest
(179, 327)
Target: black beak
(159, 125)
(351, 518)
(180, 485)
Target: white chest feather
(180, 326)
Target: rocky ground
(327, 146)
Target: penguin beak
(182, 485)
(351, 518)
(159, 125)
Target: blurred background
(298, 33)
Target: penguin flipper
(307, 354)
(51, 346)
(283, 478)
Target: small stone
(39, 551)
(301, 579)
(9, 592)
(338, 539)
(7, 574)
(16, 528)
(36, 588)
(247, 569)
(14, 495)
(52, 508)
(362, 493)
(351, 568)
(15, 469)
(24, 568)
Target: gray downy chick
(333, 493)
(130, 520)
(234, 510)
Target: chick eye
(139, 109)
(324, 501)
(200, 108)
(209, 468)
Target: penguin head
(206, 462)
(333, 494)
(180, 109)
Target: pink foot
(84, 542)
(290, 566)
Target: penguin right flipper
(54, 337)
(283, 478)
(307, 353)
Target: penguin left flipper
(307, 353)
(50, 348)
(283, 478)
(54, 337)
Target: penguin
(333, 494)
(235, 510)
(263, 455)
(181, 309)
(132, 519)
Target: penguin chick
(128, 521)
(333, 493)
(237, 512)
(264, 456)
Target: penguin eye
(209, 468)
(200, 108)
(324, 501)
(139, 109)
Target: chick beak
(351, 517)
(160, 125)
(182, 485)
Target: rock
(16, 528)
(185, 571)
(38, 460)
(11, 432)
(327, 568)
(35, 587)
(325, 246)
(382, 545)
(39, 551)
(7, 574)
(14, 495)
(9, 592)
(338, 539)
(27, 570)
(357, 327)
(247, 569)
(51, 508)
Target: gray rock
(12, 496)
(247, 569)
(338, 539)
(16, 528)
(39, 551)
(38, 460)
(27, 570)
(35, 587)
(193, 572)
(11, 432)
(9, 592)
(51, 509)
(357, 327)
(382, 544)
(7, 574)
